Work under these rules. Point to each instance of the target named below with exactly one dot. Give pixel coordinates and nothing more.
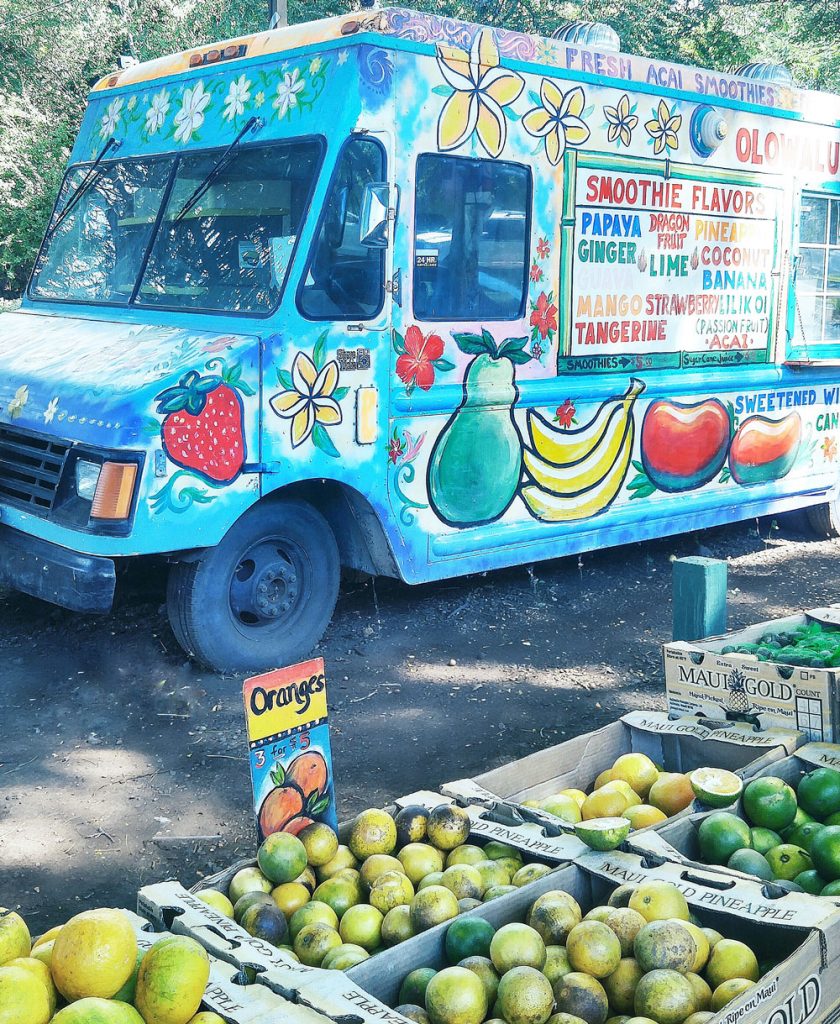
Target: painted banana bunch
(576, 474)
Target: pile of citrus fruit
(790, 835)
(90, 971)
(641, 959)
(333, 906)
(635, 793)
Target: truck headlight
(87, 477)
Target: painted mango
(764, 449)
(684, 445)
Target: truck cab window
(472, 225)
(818, 274)
(230, 250)
(95, 252)
(345, 278)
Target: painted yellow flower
(663, 128)
(482, 89)
(621, 121)
(558, 120)
(310, 400)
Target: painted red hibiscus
(536, 273)
(544, 316)
(395, 449)
(543, 248)
(565, 414)
(416, 365)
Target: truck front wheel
(264, 596)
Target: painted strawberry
(203, 424)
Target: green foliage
(54, 52)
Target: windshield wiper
(252, 125)
(93, 173)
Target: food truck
(395, 293)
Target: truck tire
(824, 519)
(264, 596)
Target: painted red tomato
(684, 445)
(765, 449)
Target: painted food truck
(420, 298)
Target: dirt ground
(121, 763)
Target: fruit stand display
(611, 937)
(784, 827)
(617, 772)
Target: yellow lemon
(94, 954)
(43, 952)
(603, 803)
(171, 982)
(14, 936)
(23, 998)
(47, 936)
(643, 815)
(638, 770)
(39, 970)
(577, 795)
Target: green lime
(825, 851)
(769, 803)
(819, 792)
(764, 839)
(468, 936)
(720, 835)
(799, 819)
(413, 988)
(811, 881)
(715, 787)
(787, 861)
(751, 862)
(832, 889)
(803, 835)
(603, 833)
(282, 857)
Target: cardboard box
(801, 989)
(230, 992)
(701, 680)
(679, 746)
(676, 840)
(169, 906)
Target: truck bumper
(82, 583)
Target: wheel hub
(265, 586)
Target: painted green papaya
(476, 463)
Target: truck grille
(30, 468)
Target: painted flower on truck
(310, 399)
(663, 128)
(482, 89)
(621, 120)
(557, 120)
(419, 356)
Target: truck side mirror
(373, 221)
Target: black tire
(264, 596)
(824, 519)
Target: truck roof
(401, 28)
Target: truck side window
(471, 230)
(345, 279)
(818, 276)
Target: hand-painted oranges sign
(289, 747)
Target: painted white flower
(156, 114)
(310, 400)
(191, 115)
(238, 95)
(342, 57)
(19, 401)
(51, 410)
(287, 92)
(111, 118)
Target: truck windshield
(96, 251)
(229, 252)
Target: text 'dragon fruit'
(203, 426)
(577, 474)
(684, 445)
(763, 449)
(476, 462)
